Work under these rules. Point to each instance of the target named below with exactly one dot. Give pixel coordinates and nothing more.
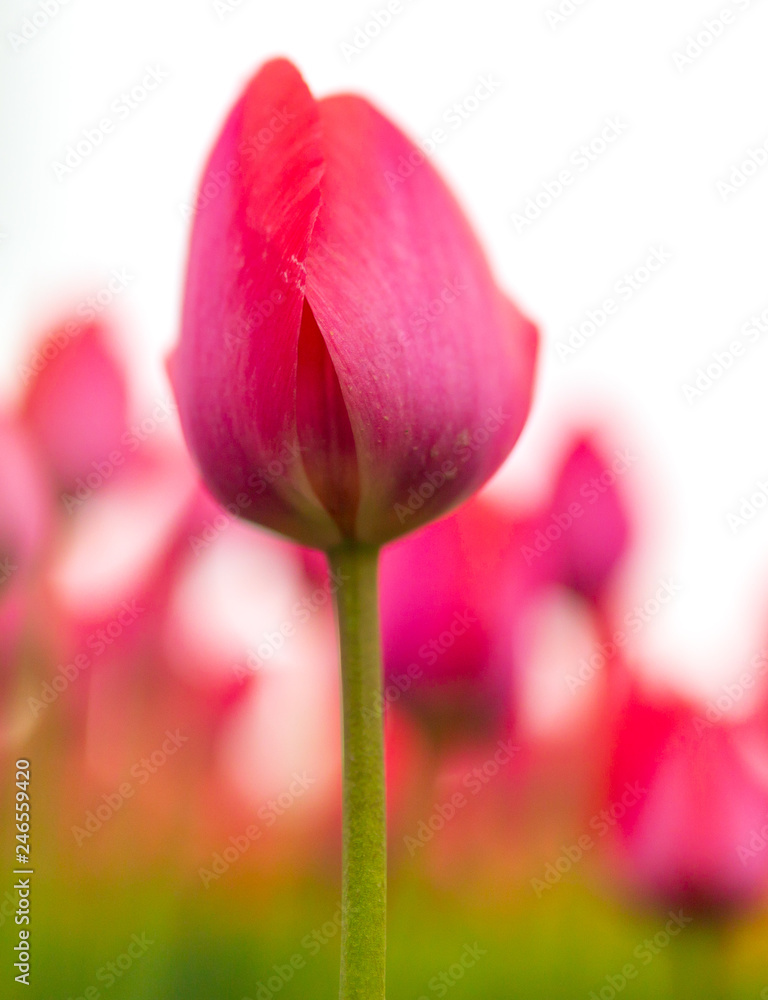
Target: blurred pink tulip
(116, 585)
(76, 402)
(686, 799)
(449, 618)
(347, 367)
(583, 533)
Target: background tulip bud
(347, 367)
(447, 623)
(588, 499)
(76, 400)
(686, 799)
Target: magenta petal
(593, 544)
(325, 432)
(435, 364)
(76, 404)
(698, 800)
(348, 368)
(446, 623)
(235, 369)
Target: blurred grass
(225, 943)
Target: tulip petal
(76, 405)
(235, 369)
(443, 608)
(347, 367)
(434, 363)
(680, 840)
(325, 431)
(592, 545)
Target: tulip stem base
(364, 883)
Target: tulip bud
(588, 506)
(346, 362)
(76, 401)
(686, 804)
(447, 626)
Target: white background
(685, 128)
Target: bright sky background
(677, 126)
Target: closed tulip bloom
(76, 402)
(588, 508)
(348, 368)
(687, 797)
(447, 621)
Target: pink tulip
(447, 623)
(348, 367)
(76, 401)
(586, 523)
(686, 799)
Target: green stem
(364, 885)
